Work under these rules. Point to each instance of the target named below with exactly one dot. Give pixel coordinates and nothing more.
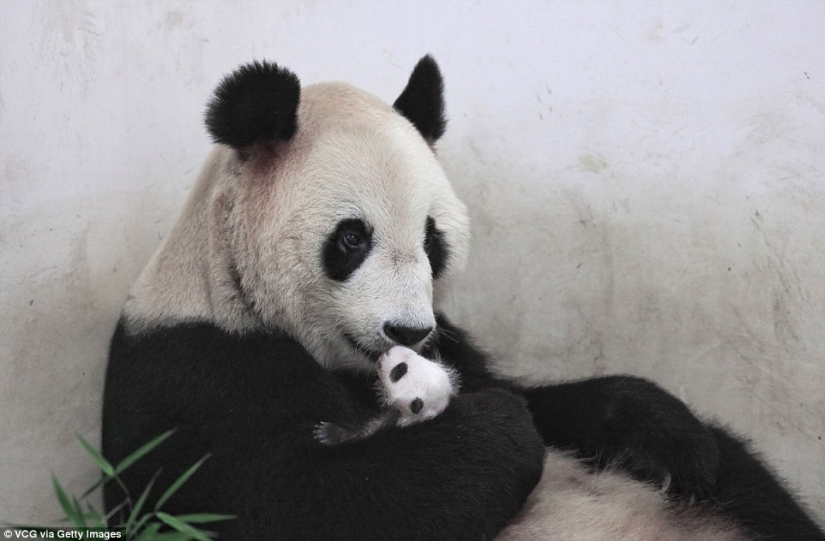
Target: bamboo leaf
(141, 451)
(172, 536)
(179, 482)
(81, 514)
(203, 518)
(104, 464)
(100, 482)
(73, 514)
(98, 518)
(148, 534)
(116, 510)
(182, 527)
(140, 523)
(131, 522)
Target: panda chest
(296, 392)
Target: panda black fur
(316, 238)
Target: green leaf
(182, 527)
(96, 516)
(81, 514)
(203, 518)
(172, 536)
(73, 514)
(140, 523)
(115, 510)
(100, 482)
(142, 450)
(148, 534)
(104, 464)
(131, 522)
(179, 482)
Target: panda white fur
(312, 246)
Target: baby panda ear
(422, 101)
(257, 103)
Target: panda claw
(330, 434)
(321, 433)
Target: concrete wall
(647, 181)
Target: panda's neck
(190, 278)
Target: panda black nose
(406, 336)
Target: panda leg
(662, 430)
(751, 494)
(635, 425)
(616, 421)
(630, 423)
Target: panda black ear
(422, 101)
(258, 102)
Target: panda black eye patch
(436, 247)
(346, 248)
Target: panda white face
(324, 213)
(342, 229)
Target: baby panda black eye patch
(436, 247)
(346, 248)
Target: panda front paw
(417, 387)
(331, 434)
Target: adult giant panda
(291, 308)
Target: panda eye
(346, 248)
(352, 239)
(436, 247)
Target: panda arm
(618, 421)
(462, 475)
(252, 403)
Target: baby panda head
(322, 212)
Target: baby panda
(287, 329)
(418, 388)
(412, 389)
